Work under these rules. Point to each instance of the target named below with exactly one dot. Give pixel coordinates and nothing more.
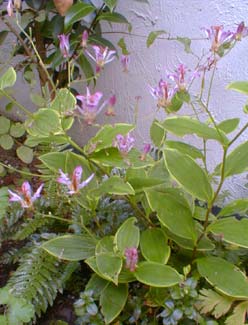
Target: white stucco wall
(179, 18)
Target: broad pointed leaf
(76, 13)
(127, 236)
(8, 79)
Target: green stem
(23, 172)
(238, 135)
(26, 111)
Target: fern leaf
(4, 201)
(214, 303)
(39, 278)
(239, 314)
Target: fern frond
(39, 278)
(239, 314)
(30, 226)
(10, 224)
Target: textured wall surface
(178, 18)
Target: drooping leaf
(153, 244)
(229, 125)
(231, 230)
(239, 314)
(185, 148)
(186, 42)
(223, 275)
(76, 13)
(157, 275)
(188, 174)
(182, 125)
(127, 236)
(113, 17)
(71, 247)
(114, 185)
(239, 206)
(8, 79)
(112, 301)
(153, 35)
(236, 161)
(173, 211)
(25, 153)
(157, 133)
(240, 86)
(210, 301)
(86, 67)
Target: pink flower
(219, 37)
(64, 45)
(146, 150)
(131, 255)
(163, 93)
(25, 198)
(90, 105)
(110, 106)
(125, 61)
(85, 37)
(124, 143)
(102, 56)
(73, 183)
(242, 31)
(10, 8)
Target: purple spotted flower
(85, 37)
(242, 31)
(102, 56)
(146, 150)
(110, 106)
(124, 143)
(74, 183)
(132, 257)
(64, 45)
(25, 196)
(219, 37)
(10, 8)
(125, 61)
(89, 107)
(163, 93)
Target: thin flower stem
(26, 111)
(238, 135)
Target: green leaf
(210, 301)
(113, 17)
(157, 275)
(44, 123)
(106, 136)
(112, 301)
(153, 35)
(229, 126)
(25, 154)
(4, 125)
(239, 314)
(157, 133)
(8, 79)
(71, 247)
(236, 161)
(186, 42)
(185, 148)
(224, 276)
(239, 206)
(76, 13)
(86, 67)
(122, 44)
(109, 265)
(4, 201)
(240, 86)
(188, 174)
(127, 236)
(111, 4)
(96, 284)
(153, 244)
(17, 130)
(173, 211)
(200, 214)
(231, 230)
(54, 160)
(64, 101)
(114, 185)
(182, 125)
(105, 245)
(6, 141)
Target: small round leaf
(26, 154)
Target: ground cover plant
(130, 236)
